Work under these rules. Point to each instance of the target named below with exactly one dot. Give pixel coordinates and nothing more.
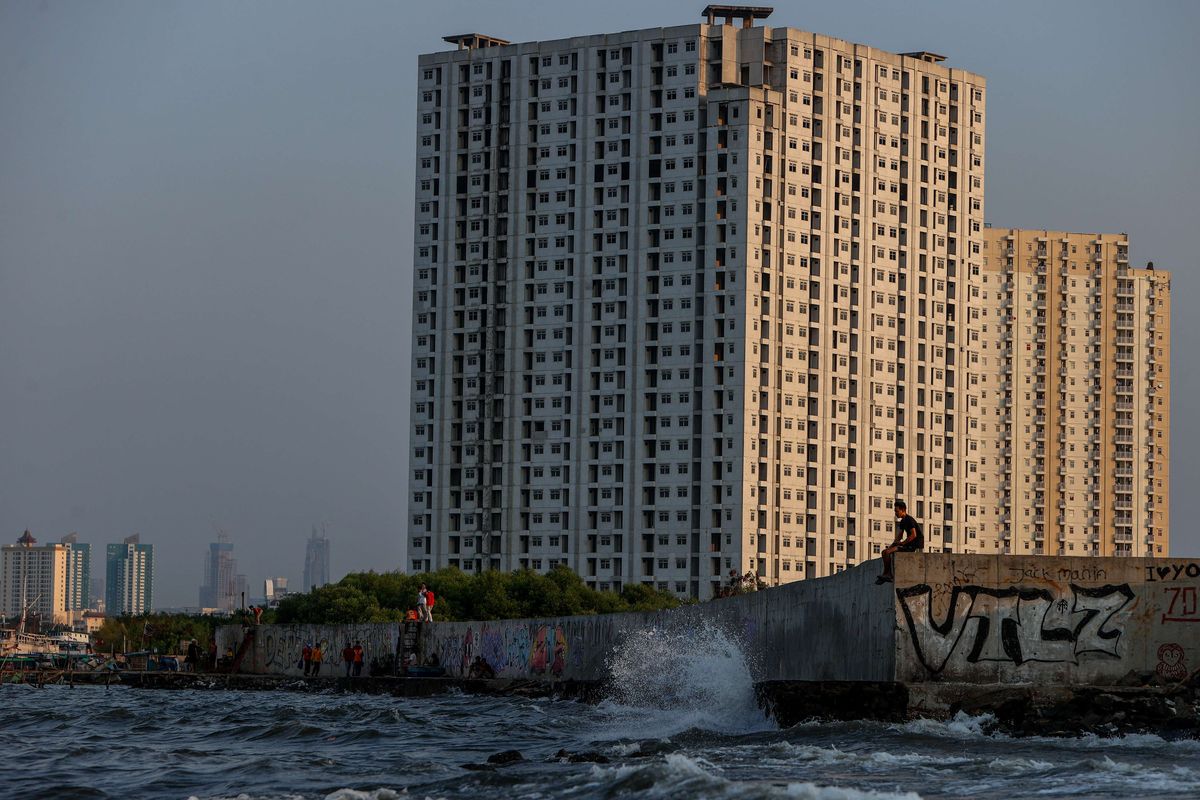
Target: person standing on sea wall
(306, 657)
(317, 655)
(423, 614)
(357, 654)
(348, 658)
(193, 656)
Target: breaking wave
(668, 680)
(678, 775)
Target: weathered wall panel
(1045, 620)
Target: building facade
(34, 579)
(129, 577)
(1068, 398)
(692, 300)
(79, 573)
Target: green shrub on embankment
(385, 597)
(161, 633)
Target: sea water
(680, 722)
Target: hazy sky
(206, 237)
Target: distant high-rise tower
(274, 590)
(219, 589)
(129, 578)
(79, 573)
(33, 579)
(316, 561)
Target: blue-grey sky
(206, 222)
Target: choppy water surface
(685, 729)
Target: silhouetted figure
(306, 657)
(193, 656)
(909, 539)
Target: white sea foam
(375, 794)
(666, 680)
(961, 726)
(809, 791)
(1132, 741)
(678, 775)
(965, 726)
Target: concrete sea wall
(277, 648)
(948, 618)
(836, 628)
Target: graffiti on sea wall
(518, 648)
(982, 618)
(1016, 624)
(278, 648)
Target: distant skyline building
(79, 573)
(316, 561)
(129, 577)
(241, 587)
(96, 591)
(274, 590)
(219, 589)
(35, 578)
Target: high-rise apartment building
(1068, 397)
(34, 579)
(129, 577)
(688, 301)
(79, 573)
(316, 561)
(703, 299)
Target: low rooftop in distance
(747, 14)
(925, 55)
(469, 41)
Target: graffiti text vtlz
(1016, 624)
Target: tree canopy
(386, 596)
(162, 633)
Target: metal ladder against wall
(243, 649)
(410, 635)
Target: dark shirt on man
(904, 526)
